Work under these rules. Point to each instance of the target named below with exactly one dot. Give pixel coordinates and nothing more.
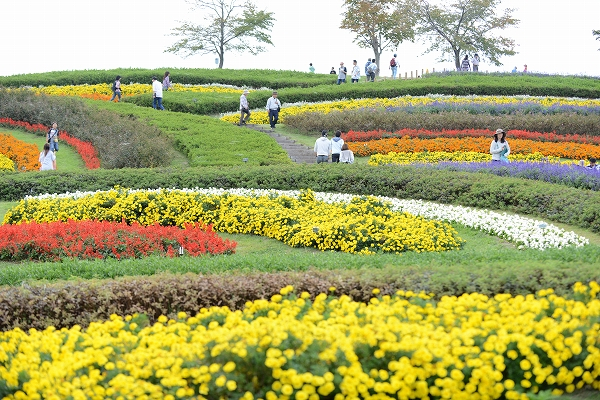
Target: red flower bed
(354, 136)
(85, 149)
(93, 239)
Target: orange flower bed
(481, 145)
(24, 155)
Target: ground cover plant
(102, 239)
(503, 270)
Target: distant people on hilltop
(116, 88)
(514, 71)
(166, 81)
(525, 68)
(394, 66)
(465, 65)
(355, 72)
(367, 68)
(372, 69)
(332, 72)
(311, 68)
(342, 73)
(475, 62)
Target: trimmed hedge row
(555, 203)
(195, 76)
(81, 302)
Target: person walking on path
(273, 108)
(52, 137)
(322, 148)
(244, 108)
(157, 94)
(166, 83)
(355, 72)
(475, 62)
(372, 68)
(47, 159)
(465, 65)
(116, 88)
(336, 147)
(346, 156)
(394, 66)
(499, 149)
(342, 72)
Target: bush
(556, 203)
(121, 141)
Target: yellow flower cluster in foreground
(365, 225)
(127, 89)
(261, 117)
(6, 164)
(402, 346)
(437, 156)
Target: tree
(465, 26)
(229, 26)
(597, 34)
(378, 24)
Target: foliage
(229, 26)
(550, 202)
(378, 25)
(94, 239)
(597, 34)
(465, 26)
(207, 141)
(24, 155)
(122, 141)
(363, 225)
(449, 348)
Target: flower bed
(24, 155)
(408, 144)
(179, 206)
(360, 136)
(407, 345)
(85, 149)
(6, 164)
(361, 225)
(441, 156)
(53, 241)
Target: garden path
(298, 153)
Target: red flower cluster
(353, 136)
(93, 239)
(85, 149)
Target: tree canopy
(377, 24)
(597, 34)
(461, 27)
(229, 25)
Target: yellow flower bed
(6, 164)
(365, 225)
(127, 89)
(437, 156)
(261, 117)
(401, 346)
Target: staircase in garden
(297, 152)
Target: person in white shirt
(47, 159)
(355, 72)
(346, 156)
(499, 149)
(244, 108)
(475, 62)
(273, 107)
(371, 69)
(322, 148)
(157, 94)
(336, 147)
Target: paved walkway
(298, 152)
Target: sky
(554, 36)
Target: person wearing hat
(157, 94)
(322, 148)
(499, 147)
(244, 108)
(273, 108)
(394, 66)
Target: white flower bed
(523, 231)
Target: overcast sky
(554, 36)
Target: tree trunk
(457, 59)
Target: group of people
(273, 107)
(47, 157)
(157, 89)
(370, 71)
(514, 70)
(474, 62)
(339, 151)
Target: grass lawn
(67, 159)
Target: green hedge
(552, 202)
(256, 78)
(81, 302)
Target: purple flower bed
(573, 176)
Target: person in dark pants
(273, 107)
